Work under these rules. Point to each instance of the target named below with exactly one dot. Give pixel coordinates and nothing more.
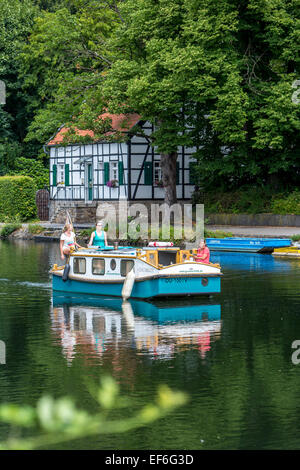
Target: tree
(171, 61)
(212, 75)
(267, 54)
(16, 18)
(62, 61)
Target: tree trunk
(168, 168)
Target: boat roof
(121, 250)
(106, 250)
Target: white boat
(137, 272)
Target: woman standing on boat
(67, 241)
(98, 237)
(202, 253)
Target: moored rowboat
(251, 245)
(292, 251)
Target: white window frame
(114, 170)
(60, 173)
(157, 173)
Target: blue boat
(174, 311)
(251, 245)
(137, 273)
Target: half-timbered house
(84, 175)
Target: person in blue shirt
(98, 237)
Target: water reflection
(251, 261)
(157, 330)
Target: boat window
(126, 266)
(152, 257)
(113, 264)
(98, 266)
(79, 265)
(166, 257)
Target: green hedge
(17, 198)
(287, 204)
(33, 168)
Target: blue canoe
(251, 245)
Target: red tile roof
(120, 123)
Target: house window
(126, 266)
(157, 173)
(98, 266)
(79, 266)
(60, 173)
(114, 174)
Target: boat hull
(292, 251)
(144, 289)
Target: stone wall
(254, 220)
(81, 212)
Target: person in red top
(202, 253)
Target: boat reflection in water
(94, 326)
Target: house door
(89, 181)
(42, 199)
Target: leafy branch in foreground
(59, 421)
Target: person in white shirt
(67, 241)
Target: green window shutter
(192, 167)
(106, 172)
(67, 175)
(177, 173)
(121, 173)
(148, 173)
(54, 177)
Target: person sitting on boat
(202, 253)
(67, 241)
(98, 237)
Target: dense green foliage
(33, 168)
(16, 20)
(287, 204)
(17, 198)
(229, 66)
(251, 200)
(217, 76)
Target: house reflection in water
(95, 327)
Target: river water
(232, 354)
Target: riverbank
(256, 231)
(45, 231)
(42, 231)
